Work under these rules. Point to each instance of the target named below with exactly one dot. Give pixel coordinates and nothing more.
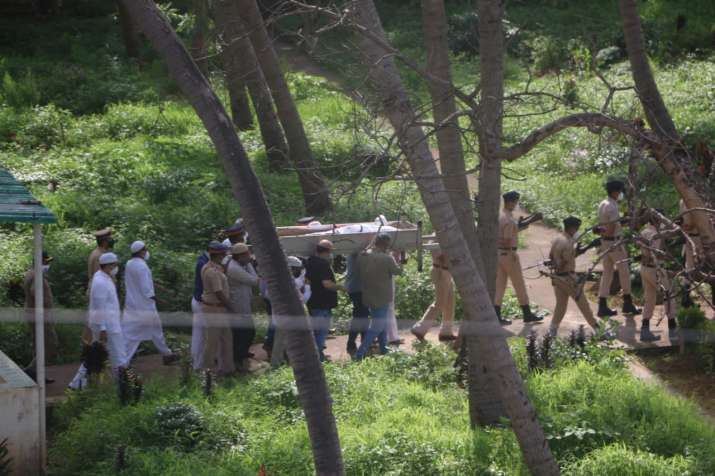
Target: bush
(619, 460)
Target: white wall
(19, 417)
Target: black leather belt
(694, 235)
(611, 238)
(565, 273)
(507, 249)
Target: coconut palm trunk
(315, 191)
(484, 400)
(238, 47)
(493, 351)
(310, 378)
(671, 154)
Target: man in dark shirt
(324, 296)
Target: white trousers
(197, 334)
(157, 338)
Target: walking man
(105, 243)
(197, 323)
(377, 269)
(508, 263)
(218, 340)
(141, 318)
(242, 279)
(654, 276)
(360, 312)
(444, 301)
(29, 284)
(562, 256)
(609, 219)
(104, 317)
(324, 297)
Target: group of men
(226, 277)
(223, 328)
(121, 332)
(614, 259)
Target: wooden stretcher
(406, 237)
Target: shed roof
(17, 205)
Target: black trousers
(244, 331)
(359, 322)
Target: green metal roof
(17, 205)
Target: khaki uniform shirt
(93, 263)
(508, 230)
(29, 287)
(688, 219)
(608, 214)
(563, 254)
(215, 283)
(648, 234)
(376, 272)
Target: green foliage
(619, 460)
(397, 414)
(691, 318)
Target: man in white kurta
(104, 317)
(141, 319)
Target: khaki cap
(239, 249)
(102, 233)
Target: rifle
(528, 220)
(580, 249)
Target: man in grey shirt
(376, 271)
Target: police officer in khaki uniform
(444, 301)
(508, 264)
(562, 257)
(105, 243)
(654, 277)
(215, 302)
(609, 219)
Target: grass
(401, 414)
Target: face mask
(620, 196)
(576, 235)
(146, 256)
(114, 271)
(331, 257)
(45, 268)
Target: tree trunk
(494, 353)
(671, 155)
(484, 402)
(239, 47)
(491, 66)
(199, 49)
(235, 78)
(309, 375)
(315, 191)
(130, 34)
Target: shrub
(548, 54)
(619, 460)
(608, 56)
(179, 425)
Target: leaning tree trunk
(484, 402)
(493, 350)
(489, 117)
(315, 191)
(130, 34)
(199, 48)
(309, 375)
(238, 46)
(671, 153)
(235, 77)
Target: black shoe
(530, 316)
(352, 348)
(628, 307)
(647, 335)
(604, 310)
(503, 321)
